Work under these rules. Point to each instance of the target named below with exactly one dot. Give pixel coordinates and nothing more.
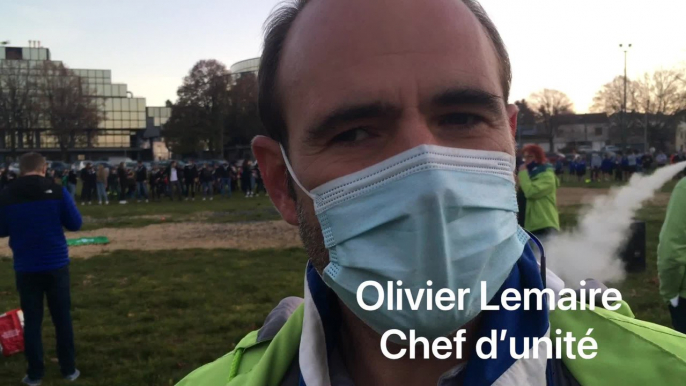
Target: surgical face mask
(431, 213)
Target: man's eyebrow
(471, 97)
(351, 113)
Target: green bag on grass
(88, 241)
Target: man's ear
(512, 111)
(275, 176)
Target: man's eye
(460, 119)
(353, 135)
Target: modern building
(156, 118)
(126, 123)
(248, 65)
(588, 131)
(572, 131)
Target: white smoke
(591, 250)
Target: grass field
(149, 318)
(219, 210)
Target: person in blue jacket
(606, 167)
(33, 211)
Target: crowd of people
(610, 166)
(101, 182)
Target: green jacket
(540, 190)
(671, 251)
(630, 353)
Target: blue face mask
(431, 213)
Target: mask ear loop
(540, 248)
(290, 170)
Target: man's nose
(412, 131)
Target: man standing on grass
(190, 175)
(141, 182)
(33, 212)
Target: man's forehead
(336, 33)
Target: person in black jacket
(123, 183)
(72, 181)
(33, 212)
(190, 175)
(7, 177)
(141, 182)
(157, 183)
(206, 179)
(113, 182)
(88, 178)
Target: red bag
(12, 332)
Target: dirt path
(247, 236)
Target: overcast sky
(570, 45)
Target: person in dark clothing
(130, 184)
(618, 167)
(234, 174)
(606, 167)
(157, 183)
(113, 183)
(33, 212)
(174, 176)
(7, 178)
(88, 179)
(190, 175)
(141, 182)
(259, 182)
(72, 181)
(224, 176)
(206, 179)
(123, 184)
(247, 178)
(647, 163)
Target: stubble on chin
(311, 236)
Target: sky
(569, 45)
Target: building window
(13, 53)
(598, 131)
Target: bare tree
(549, 104)
(662, 92)
(68, 107)
(610, 98)
(655, 103)
(19, 109)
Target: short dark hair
(276, 29)
(31, 162)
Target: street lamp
(625, 48)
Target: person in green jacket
(671, 257)
(538, 182)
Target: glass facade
(123, 118)
(249, 65)
(159, 115)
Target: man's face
(363, 80)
